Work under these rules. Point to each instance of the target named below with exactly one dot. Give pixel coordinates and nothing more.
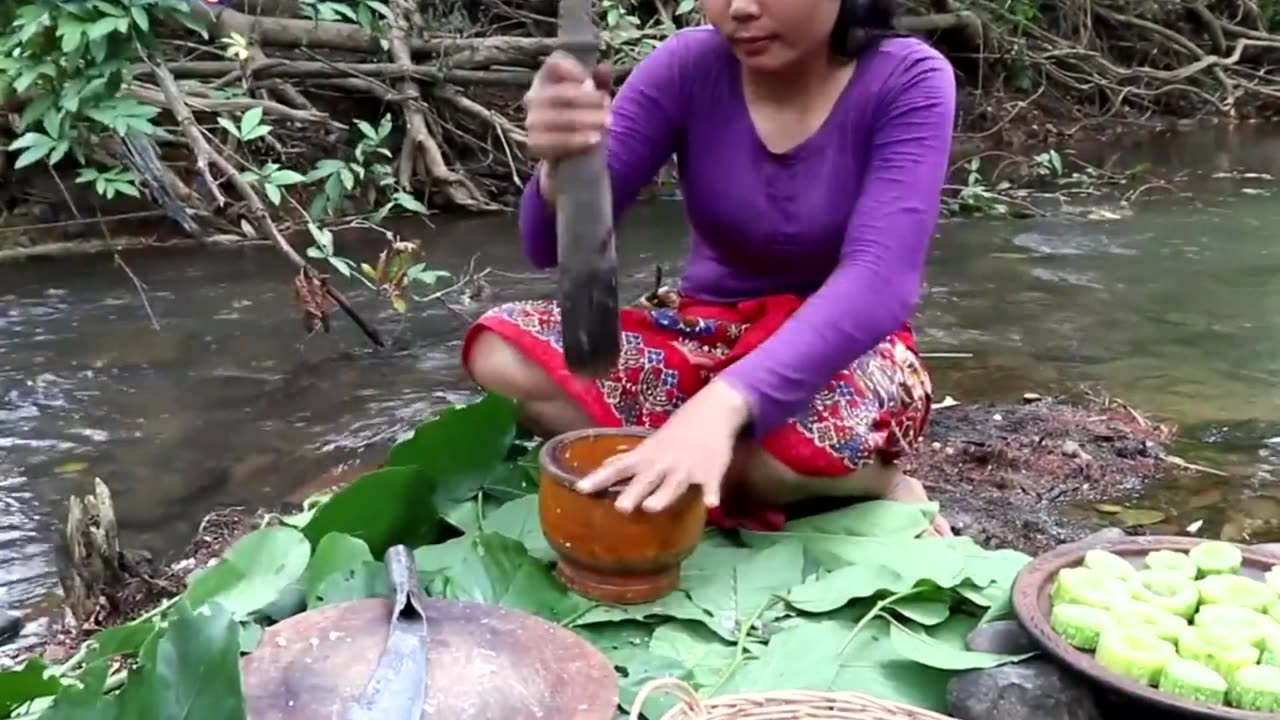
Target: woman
(812, 144)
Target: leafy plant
(850, 600)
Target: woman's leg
(771, 482)
(499, 367)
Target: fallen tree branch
(320, 34)
(307, 69)
(153, 96)
(92, 247)
(257, 212)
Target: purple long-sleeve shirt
(844, 219)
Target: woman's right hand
(567, 109)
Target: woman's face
(769, 35)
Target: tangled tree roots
(457, 97)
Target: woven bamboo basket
(783, 705)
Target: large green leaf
(747, 591)
(916, 645)
(83, 700)
(462, 449)
(336, 553)
(518, 520)
(195, 673)
(21, 686)
(460, 439)
(367, 580)
(874, 518)
(253, 571)
(706, 656)
(387, 507)
(121, 640)
(676, 606)
(833, 590)
(635, 669)
(830, 656)
(492, 568)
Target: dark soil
(1004, 474)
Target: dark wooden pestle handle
(584, 225)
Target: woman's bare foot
(904, 488)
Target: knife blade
(397, 690)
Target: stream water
(1175, 309)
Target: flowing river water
(1174, 308)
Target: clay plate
(483, 662)
(1031, 592)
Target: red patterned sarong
(672, 346)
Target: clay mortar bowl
(605, 554)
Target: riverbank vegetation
(754, 611)
(239, 117)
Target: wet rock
(1006, 637)
(10, 625)
(1034, 689)
(1100, 538)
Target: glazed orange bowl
(603, 553)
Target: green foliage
(849, 600)
(70, 60)
(72, 65)
(632, 28)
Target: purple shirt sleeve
(875, 286)
(647, 124)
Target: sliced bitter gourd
(1134, 654)
(1235, 590)
(1271, 648)
(1255, 688)
(1194, 681)
(1273, 610)
(1108, 563)
(1161, 623)
(1079, 625)
(1216, 558)
(1166, 590)
(1223, 653)
(1173, 562)
(1238, 621)
(1082, 586)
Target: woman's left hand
(694, 447)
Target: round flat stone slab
(483, 662)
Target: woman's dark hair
(862, 24)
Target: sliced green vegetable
(1161, 623)
(1235, 590)
(1193, 681)
(1079, 625)
(1108, 563)
(1082, 586)
(1172, 561)
(1255, 688)
(1167, 590)
(1134, 654)
(1216, 558)
(1223, 653)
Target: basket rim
(692, 707)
